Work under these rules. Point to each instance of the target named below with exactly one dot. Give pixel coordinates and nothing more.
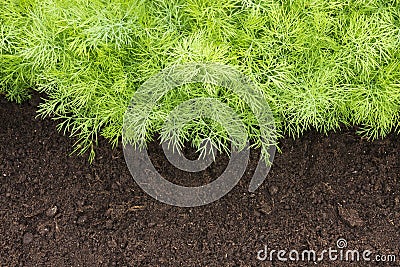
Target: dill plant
(320, 64)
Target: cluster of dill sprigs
(320, 63)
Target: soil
(59, 210)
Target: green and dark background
(330, 71)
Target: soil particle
(43, 229)
(27, 238)
(350, 216)
(82, 219)
(273, 190)
(51, 212)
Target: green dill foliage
(319, 63)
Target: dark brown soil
(58, 210)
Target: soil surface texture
(336, 191)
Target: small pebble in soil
(273, 190)
(109, 224)
(80, 203)
(82, 219)
(388, 188)
(350, 216)
(266, 209)
(51, 211)
(123, 244)
(27, 238)
(112, 243)
(114, 186)
(43, 229)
